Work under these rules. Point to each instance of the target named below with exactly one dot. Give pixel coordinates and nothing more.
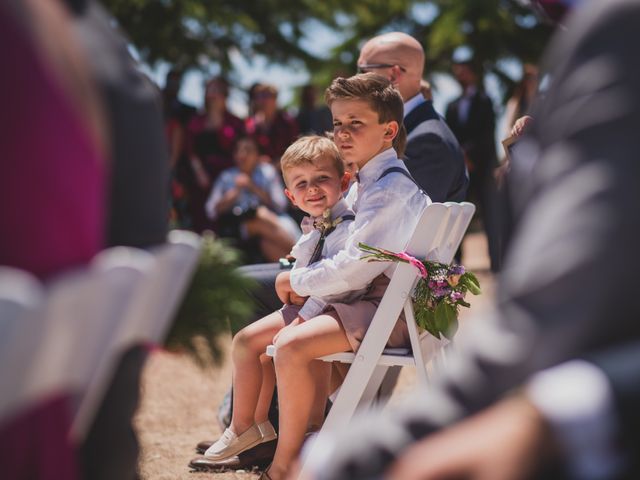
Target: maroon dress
(214, 148)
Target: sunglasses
(376, 66)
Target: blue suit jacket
(433, 156)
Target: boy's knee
(288, 348)
(243, 343)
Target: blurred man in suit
(472, 120)
(138, 216)
(567, 288)
(433, 155)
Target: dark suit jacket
(568, 286)
(433, 155)
(139, 194)
(476, 135)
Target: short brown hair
(379, 93)
(307, 150)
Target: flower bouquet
(439, 293)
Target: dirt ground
(180, 400)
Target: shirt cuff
(312, 308)
(576, 400)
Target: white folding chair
(21, 299)
(55, 347)
(146, 317)
(436, 237)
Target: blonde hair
(379, 93)
(308, 150)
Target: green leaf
(471, 282)
(451, 331)
(445, 315)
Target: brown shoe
(203, 464)
(203, 446)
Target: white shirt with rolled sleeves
(334, 242)
(387, 211)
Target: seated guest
(211, 136)
(274, 128)
(247, 201)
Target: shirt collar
(339, 209)
(378, 164)
(413, 103)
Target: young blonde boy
(315, 179)
(367, 113)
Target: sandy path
(179, 399)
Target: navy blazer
(433, 155)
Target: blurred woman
(248, 201)
(211, 136)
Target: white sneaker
(267, 431)
(230, 444)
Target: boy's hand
(283, 286)
(285, 292)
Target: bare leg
(248, 374)
(275, 241)
(321, 372)
(266, 390)
(271, 251)
(297, 349)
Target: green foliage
(215, 303)
(437, 298)
(191, 33)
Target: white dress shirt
(334, 242)
(387, 212)
(413, 103)
(464, 105)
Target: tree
(197, 34)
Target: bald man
(433, 155)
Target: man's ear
(344, 183)
(391, 131)
(290, 197)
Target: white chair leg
(370, 393)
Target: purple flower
(456, 270)
(441, 292)
(455, 296)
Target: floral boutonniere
(324, 223)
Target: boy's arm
(386, 220)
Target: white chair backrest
(20, 292)
(436, 237)
(147, 317)
(55, 347)
(155, 304)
